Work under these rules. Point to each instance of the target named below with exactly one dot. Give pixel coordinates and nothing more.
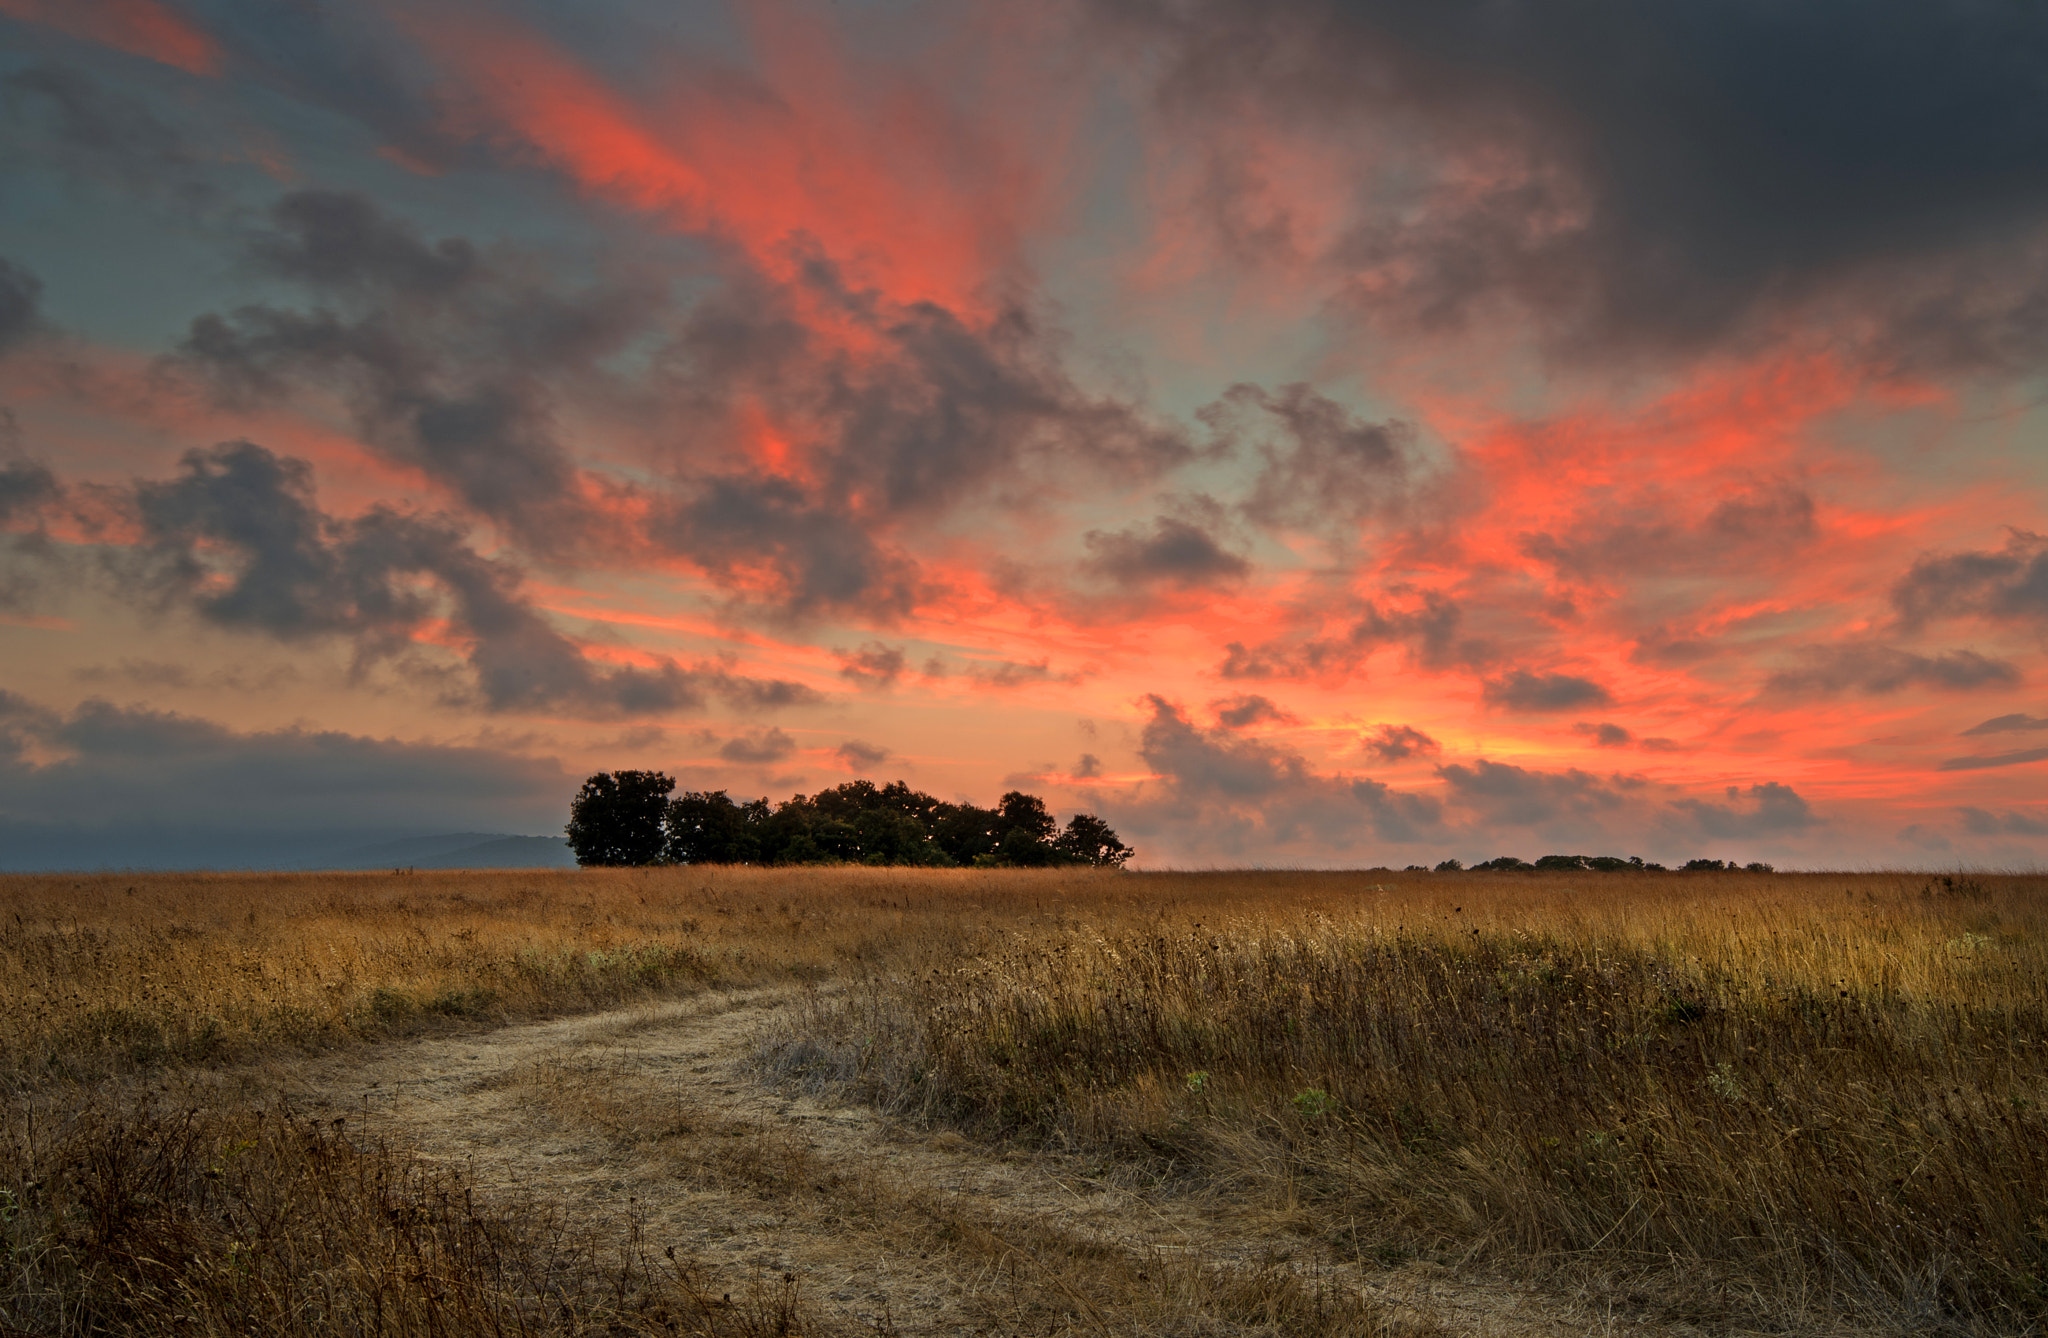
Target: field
(823, 1101)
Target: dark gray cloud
(875, 664)
(459, 361)
(820, 558)
(1173, 552)
(259, 506)
(1658, 176)
(1763, 526)
(1207, 764)
(27, 493)
(2004, 585)
(917, 412)
(338, 240)
(1605, 734)
(26, 488)
(136, 786)
(21, 296)
(754, 694)
(1428, 629)
(1003, 675)
(1397, 743)
(857, 756)
(1250, 709)
(1980, 822)
(489, 440)
(1223, 794)
(934, 408)
(1987, 761)
(238, 537)
(1397, 815)
(64, 117)
(2005, 724)
(1831, 670)
(1088, 768)
(1506, 795)
(1247, 792)
(1522, 690)
(1321, 465)
(448, 365)
(760, 748)
(22, 721)
(1767, 809)
(355, 62)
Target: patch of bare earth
(653, 1124)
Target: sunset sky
(1302, 432)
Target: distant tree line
(1595, 864)
(628, 818)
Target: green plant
(1314, 1104)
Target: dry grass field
(1670, 1103)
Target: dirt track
(653, 1120)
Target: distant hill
(48, 847)
(458, 850)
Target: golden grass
(99, 973)
(253, 1222)
(1810, 1090)
(1820, 1086)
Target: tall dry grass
(1824, 1094)
(197, 1222)
(102, 974)
(1819, 1087)
(119, 1213)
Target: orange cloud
(901, 190)
(147, 28)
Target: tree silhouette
(617, 818)
(624, 818)
(1089, 840)
(708, 828)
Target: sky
(1303, 432)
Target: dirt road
(654, 1123)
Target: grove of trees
(628, 818)
(1593, 864)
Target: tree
(965, 832)
(1026, 812)
(616, 818)
(1089, 840)
(890, 836)
(705, 827)
(1020, 834)
(1019, 849)
(623, 818)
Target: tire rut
(652, 1125)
